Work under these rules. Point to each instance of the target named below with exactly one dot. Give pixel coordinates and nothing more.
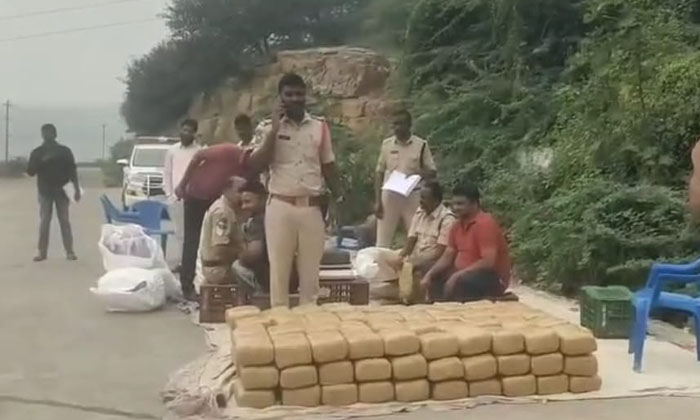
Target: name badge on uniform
(283, 137)
(221, 227)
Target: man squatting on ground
(204, 181)
(298, 152)
(221, 241)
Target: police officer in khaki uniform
(221, 240)
(298, 153)
(408, 154)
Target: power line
(64, 9)
(73, 30)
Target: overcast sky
(81, 68)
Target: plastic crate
(607, 311)
(354, 292)
(215, 300)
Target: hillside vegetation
(576, 116)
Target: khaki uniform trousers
(294, 231)
(396, 207)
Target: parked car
(143, 171)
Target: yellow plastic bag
(407, 286)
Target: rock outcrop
(348, 84)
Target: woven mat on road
(199, 390)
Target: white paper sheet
(401, 183)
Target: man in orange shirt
(475, 265)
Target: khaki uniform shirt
(220, 242)
(431, 230)
(405, 157)
(300, 152)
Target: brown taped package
(253, 399)
(254, 350)
(400, 342)
(513, 365)
(445, 369)
(411, 391)
(547, 364)
(298, 377)
(541, 341)
(303, 397)
(519, 386)
(507, 342)
(450, 390)
(328, 346)
(291, 350)
(336, 373)
(339, 395)
(581, 366)
(370, 370)
(479, 368)
(409, 367)
(550, 385)
(259, 377)
(364, 344)
(438, 345)
(576, 342)
(581, 384)
(376, 392)
(489, 387)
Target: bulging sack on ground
(129, 246)
(373, 264)
(131, 290)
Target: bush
(14, 168)
(611, 90)
(112, 173)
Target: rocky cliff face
(349, 84)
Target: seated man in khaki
(252, 269)
(221, 241)
(427, 237)
(430, 230)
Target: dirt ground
(63, 358)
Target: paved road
(63, 358)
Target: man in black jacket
(54, 166)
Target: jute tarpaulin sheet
(199, 390)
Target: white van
(143, 171)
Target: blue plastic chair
(115, 216)
(151, 215)
(652, 297)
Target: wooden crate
(215, 300)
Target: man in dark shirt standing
(54, 166)
(204, 181)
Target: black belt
(209, 264)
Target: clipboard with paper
(400, 183)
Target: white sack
(128, 246)
(131, 290)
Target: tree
(259, 25)
(213, 40)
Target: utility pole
(7, 131)
(104, 137)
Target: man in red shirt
(206, 177)
(475, 265)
